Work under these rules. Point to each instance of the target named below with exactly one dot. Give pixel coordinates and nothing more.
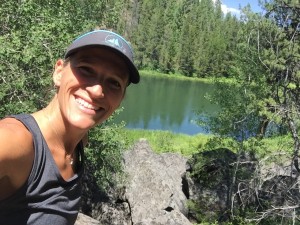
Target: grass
(209, 80)
(174, 75)
(187, 145)
(166, 141)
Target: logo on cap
(114, 41)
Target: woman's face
(91, 86)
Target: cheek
(115, 97)
(64, 92)
(119, 100)
(69, 82)
(115, 103)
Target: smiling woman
(93, 84)
(45, 187)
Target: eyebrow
(88, 59)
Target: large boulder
(154, 190)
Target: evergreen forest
(253, 59)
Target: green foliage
(238, 177)
(199, 212)
(189, 37)
(265, 95)
(33, 35)
(212, 168)
(176, 76)
(104, 154)
(264, 69)
(260, 55)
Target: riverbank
(166, 141)
(174, 76)
(178, 76)
(187, 145)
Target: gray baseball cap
(111, 40)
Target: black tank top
(45, 198)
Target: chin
(81, 123)
(86, 123)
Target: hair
(66, 61)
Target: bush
(104, 153)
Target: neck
(57, 134)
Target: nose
(95, 90)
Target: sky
(234, 5)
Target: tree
(149, 33)
(187, 36)
(169, 48)
(264, 94)
(284, 68)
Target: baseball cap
(111, 40)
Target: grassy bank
(182, 77)
(166, 141)
(174, 76)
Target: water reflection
(165, 104)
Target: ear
(57, 74)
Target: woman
(41, 154)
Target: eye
(114, 84)
(85, 71)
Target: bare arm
(16, 156)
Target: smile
(86, 104)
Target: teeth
(86, 104)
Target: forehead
(102, 57)
(98, 54)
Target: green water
(166, 104)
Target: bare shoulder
(14, 135)
(16, 154)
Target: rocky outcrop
(159, 185)
(153, 193)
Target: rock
(158, 186)
(152, 195)
(108, 207)
(171, 218)
(154, 191)
(114, 213)
(86, 220)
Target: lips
(86, 105)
